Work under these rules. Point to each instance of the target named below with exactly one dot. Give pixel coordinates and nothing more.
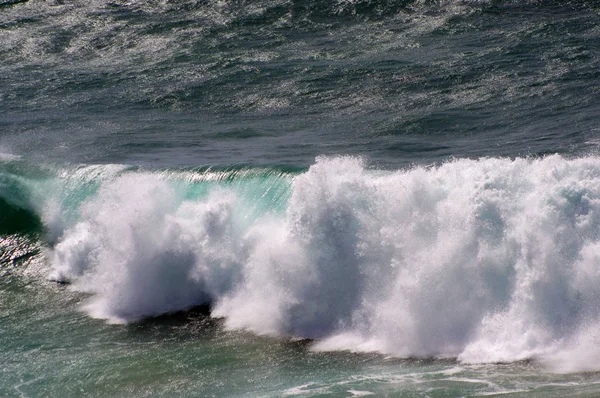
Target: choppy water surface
(372, 197)
(202, 82)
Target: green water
(51, 349)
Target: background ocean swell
(485, 260)
(181, 82)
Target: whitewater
(489, 260)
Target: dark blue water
(280, 82)
(367, 197)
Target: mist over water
(388, 197)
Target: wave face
(485, 260)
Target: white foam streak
(488, 260)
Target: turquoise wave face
(38, 203)
(29, 194)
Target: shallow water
(50, 349)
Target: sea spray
(485, 260)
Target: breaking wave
(486, 260)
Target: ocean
(273, 198)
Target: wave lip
(488, 260)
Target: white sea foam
(5, 156)
(485, 260)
